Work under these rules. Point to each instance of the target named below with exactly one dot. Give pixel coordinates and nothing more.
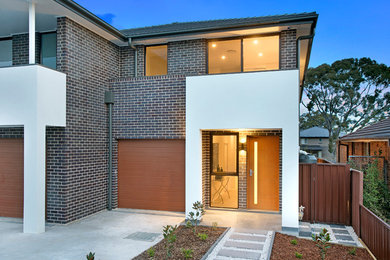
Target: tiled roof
(173, 28)
(380, 130)
(314, 132)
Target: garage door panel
(11, 178)
(151, 174)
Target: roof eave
(81, 11)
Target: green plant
(187, 253)
(322, 242)
(352, 251)
(376, 194)
(203, 236)
(151, 252)
(294, 242)
(214, 226)
(170, 238)
(90, 256)
(298, 255)
(196, 215)
(189, 224)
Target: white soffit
(14, 18)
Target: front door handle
(250, 172)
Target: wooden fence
(332, 193)
(325, 193)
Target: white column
(34, 178)
(31, 32)
(193, 167)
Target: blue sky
(345, 28)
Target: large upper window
(49, 50)
(5, 53)
(247, 54)
(156, 60)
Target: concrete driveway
(104, 233)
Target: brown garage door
(151, 174)
(11, 178)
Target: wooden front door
(263, 173)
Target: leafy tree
(346, 95)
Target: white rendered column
(34, 178)
(31, 32)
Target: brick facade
(20, 49)
(145, 108)
(288, 50)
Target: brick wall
(187, 57)
(288, 50)
(242, 165)
(20, 48)
(77, 154)
(126, 61)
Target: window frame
(242, 51)
(40, 47)
(9, 38)
(211, 173)
(145, 54)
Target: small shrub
(187, 253)
(196, 215)
(203, 236)
(214, 226)
(352, 251)
(298, 255)
(90, 256)
(170, 238)
(322, 242)
(189, 224)
(151, 252)
(294, 242)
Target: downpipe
(109, 101)
(135, 57)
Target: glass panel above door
(224, 154)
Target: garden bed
(283, 249)
(185, 239)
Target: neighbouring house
(198, 111)
(315, 140)
(366, 145)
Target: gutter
(135, 56)
(81, 11)
(310, 38)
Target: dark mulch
(186, 239)
(284, 250)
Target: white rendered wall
(34, 97)
(259, 100)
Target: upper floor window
(49, 50)
(156, 60)
(5, 53)
(246, 54)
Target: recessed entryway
(11, 178)
(151, 174)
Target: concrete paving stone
(248, 237)
(348, 243)
(239, 254)
(249, 231)
(244, 245)
(305, 233)
(344, 237)
(337, 226)
(340, 231)
(317, 230)
(143, 236)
